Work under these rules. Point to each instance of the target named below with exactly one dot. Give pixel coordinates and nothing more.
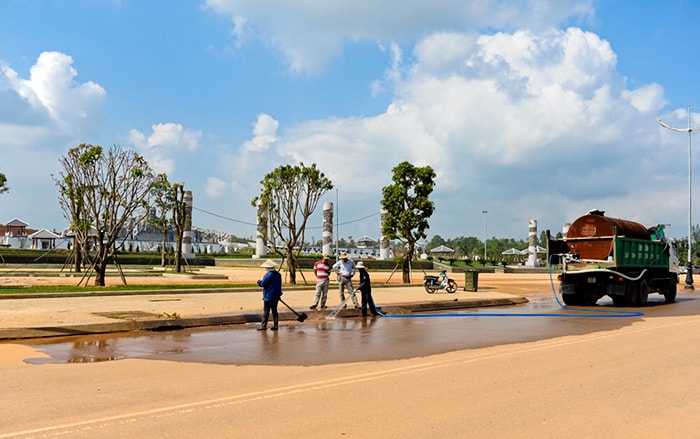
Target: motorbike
(434, 283)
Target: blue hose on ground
(578, 312)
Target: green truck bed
(640, 253)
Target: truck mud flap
(618, 289)
(567, 288)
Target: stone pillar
(383, 241)
(532, 244)
(565, 229)
(261, 234)
(187, 252)
(328, 228)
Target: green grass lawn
(116, 288)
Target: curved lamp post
(689, 130)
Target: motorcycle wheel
(451, 286)
(428, 288)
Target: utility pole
(689, 130)
(485, 212)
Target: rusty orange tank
(591, 236)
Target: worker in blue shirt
(271, 284)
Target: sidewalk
(50, 315)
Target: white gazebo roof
(44, 234)
(17, 223)
(442, 249)
(513, 251)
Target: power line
(359, 219)
(255, 225)
(225, 217)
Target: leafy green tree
(3, 184)
(437, 241)
(163, 203)
(289, 195)
(408, 208)
(100, 192)
(468, 246)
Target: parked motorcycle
(434, 283)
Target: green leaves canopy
(289, 195)
(407, 204)
(3, 184)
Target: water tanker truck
(604, 256)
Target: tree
(289, 196)
(163, 196)
(436, 241)
(408, 208)
(180, 221)
(72, 201)
(466, 245)
(3, 184)
(100, 192)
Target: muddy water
(343, 340)
(339, 340)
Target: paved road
(632, 378)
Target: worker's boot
(275, 321)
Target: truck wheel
(670, 295)
(632, 293)
(643, 295)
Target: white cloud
(265, 134)
(52, 84)
(165, 144)
(50, 102)
(241, 170)
(215, 187)
(41, 116)
(166, 135)
(532, 118)
(312, 33)
(646, 99)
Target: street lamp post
(689, 130)
(485, 212)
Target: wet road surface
(344, 340)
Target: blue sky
(527, 109)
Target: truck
(604, 256)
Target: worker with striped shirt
(322, 270)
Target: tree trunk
(100, 274)
(101, 261)
(407, 263)
(77, 257)
(178, 256)
(164, 249)
(291, 266)
(406, 270)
